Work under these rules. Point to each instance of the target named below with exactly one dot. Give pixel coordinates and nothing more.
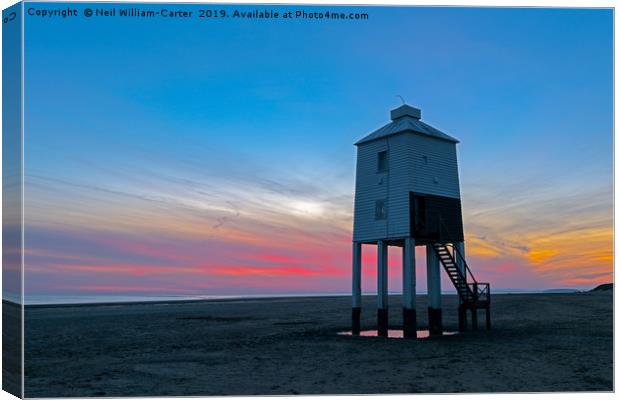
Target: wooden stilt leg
(409, 305)
(462, 318)
(356, 289)
(474, 318)
(382, 288)
(488, 317)
(434, 291)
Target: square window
(380, 211)
(382, 161)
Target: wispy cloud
(165, 228)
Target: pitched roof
(406, 119)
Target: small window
(380, 211)
(382, 161)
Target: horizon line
(117, 299)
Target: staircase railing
(456, 254)
(481, 291)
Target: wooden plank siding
(408, 171)
(400, 167)
(437, 173)
(370, 186)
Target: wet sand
(539, 342)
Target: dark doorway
(435, 218)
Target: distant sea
(115, 298)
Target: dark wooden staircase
(473, 295)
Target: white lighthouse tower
(407, 194)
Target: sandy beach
(539, 342)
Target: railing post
(459, 249)
(474, 308)
(488, 310)
(474, 317)
(475, 291)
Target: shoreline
(235, 299)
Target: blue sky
(155, 128)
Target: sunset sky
(216, 156)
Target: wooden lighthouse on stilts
(407, 194)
